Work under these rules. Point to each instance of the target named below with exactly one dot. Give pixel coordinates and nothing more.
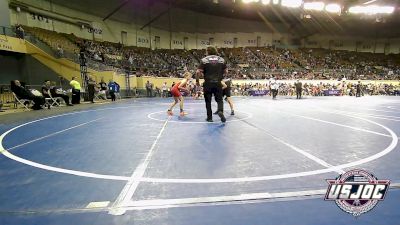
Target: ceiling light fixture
(318, 6)
(333, 8)
(292, 3)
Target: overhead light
(371, 9)
(275, 2)
(369, 2)
(333, 8)
(292, 3)
(318, 6)
(249, 1)
(265, 2)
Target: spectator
(91, 84)
(112, 89)
(20, 33)
(149, 89)
(164, 90)
(102, 89)
(23, 93)
(60, 51)
(76, 91)
(54, 92)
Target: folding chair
(96, 96)
(54, 99)
(49, 102)
(99, 95)
(21, 101)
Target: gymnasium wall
(351, 43)
(25, 68)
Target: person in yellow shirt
(76, 91)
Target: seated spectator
(102, 89)
(54, 92)
(23, 93)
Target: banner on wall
(228, 43)
(177, 42)
(258, 93)
(41, 21)
(97, 30)
(143, 41)
(204, 43)
(12, 44)
(332, 92)
(252, 42)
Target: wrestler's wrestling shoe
(169, 112)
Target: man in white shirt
(164, 90)
(274, 88)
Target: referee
(213, 68)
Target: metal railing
(8, 31)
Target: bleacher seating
(245, 63)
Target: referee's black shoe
(209, 120)
(221, 115)
(216, 112)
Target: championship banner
(12, 44)
(332, 92)
(258, 93)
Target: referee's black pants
(298, 93)
(209, 90)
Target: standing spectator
(60, 51)
(274, 88)
(112, 89)
(117, 90)
(358, 87)
(20, 32)
(149, 89)
(91, 88)
(299, 88)
(76, 91)
(164, 90)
